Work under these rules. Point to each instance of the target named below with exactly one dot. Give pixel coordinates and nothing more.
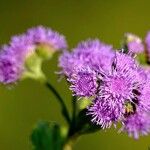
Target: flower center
(119, 86)
(85, 83)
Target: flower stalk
(60, 100)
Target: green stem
(74, 109)
(60, 100)
(72, 127)
(70, 142)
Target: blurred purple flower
(147, 41)
(137, 124)
(23, 46)
(42, 35)
(134, 43)
(90, 53)
(10, 69)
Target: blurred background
(22, 105)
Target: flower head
(84, 83)
(118, 91)
(91, 53)
(124, 61)
(42, 35)
(137, 124)
(28, 46)
(134, 43)
(105, 112)
(95, 54)
(70, 62)
(144, 94)
(147, 42)
(144, 97)
(120, 82)
(10, 69)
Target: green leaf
(47, 136)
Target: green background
(23, 104)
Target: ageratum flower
(42, 35)
(105, 112)
(43, 40)
(70, 62)
(11, 62)
(134, 43)
(124, 61)
(144, 94)
(10, 69)
(121, 80)
(84, 83)
(137, 124)
(14, 56)
(95, 53)
(144, 97)
(118, 90)
(147, 42)
(90, 53)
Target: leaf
(47, 136)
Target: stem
(72, 127)
(70, 142)
(74, 108)
(60, 100)
(67, 147)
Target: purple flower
(144, 94)
(118, 91)
(124, 61)
(134, 43)
(22, 47)
(84, 83)
(144, 97)
(95, 54)
(42, 35)
(91, 53)
(10, 69)
(28, 42)
(135, 47)
(70, 62)
(137, 124)
(147, 42)
(120, 82)
(105, 112)
(12, 59)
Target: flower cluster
(89, 54)
(115, 82)
(118, 85)
(38, 41)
